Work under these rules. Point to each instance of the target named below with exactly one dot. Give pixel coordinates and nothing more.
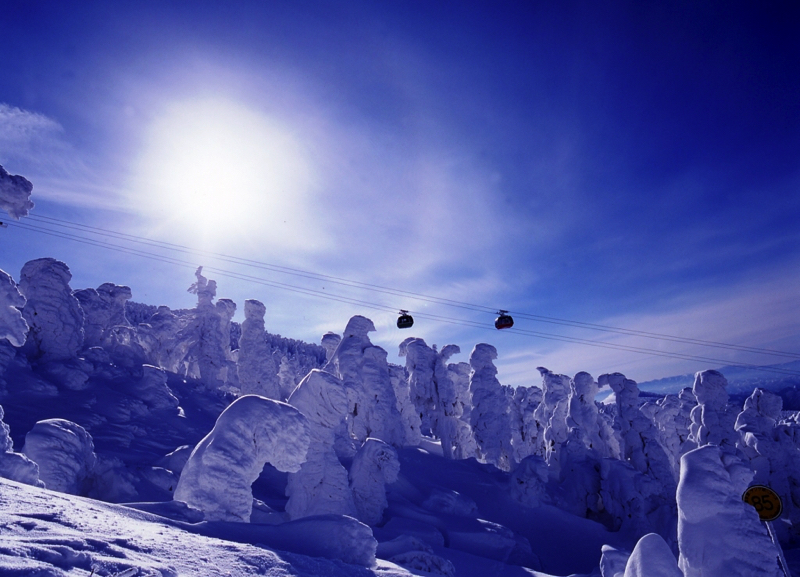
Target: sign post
(769, 507)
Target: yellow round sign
(767, 503)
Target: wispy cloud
(750, 314)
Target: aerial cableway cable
(372, 305)
(416, 296)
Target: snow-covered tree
(412, 424)
(251, 432)
(256, 368)
(12, 324)
(489, 416)
(671, 415)
(209, 353)
(640, 446)
(713, 418)
(719, 535)
(365, 372)
(321, 485)
(15, 194)
(54, 316)
(434, 394)
(551, 416)
(374, 466)
(104, 308)
(524, 429)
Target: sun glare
(217, 173)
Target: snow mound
(64, 452)
(652, 557)
(249, 433)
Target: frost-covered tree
(286, 377)
(713, 418)
(583, 416)
(640, 446)
(719, 535)
(15, 194)
(671, 415)
(256, 368)
(374, 466)
(412, 424)
(64, 452)
(774, 459)
(15, 466)
(54, 316)
(321, 485)
(489, 416)
(365, 372)
(524, 429)
(329, 342)
(12, 324)
(250, 432)
(551, 416)
(434, 394)
(104, 309)
(209, 353)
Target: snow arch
(251, 432)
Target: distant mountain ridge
(741, 382)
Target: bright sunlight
(215, 174)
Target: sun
(216, 173)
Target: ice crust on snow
(64, 452)
(249, 433)
(15, 194)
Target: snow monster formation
(719, 535)
(54, 316)
(250, 432)
(365, 372)
(64, 452)
(258, 374)
(15, 193)
(12, 324)
(489, 416)
(320, 486)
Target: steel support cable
(417, 296)
(374, 306)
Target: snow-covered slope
(363, 468)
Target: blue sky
(626, 164)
